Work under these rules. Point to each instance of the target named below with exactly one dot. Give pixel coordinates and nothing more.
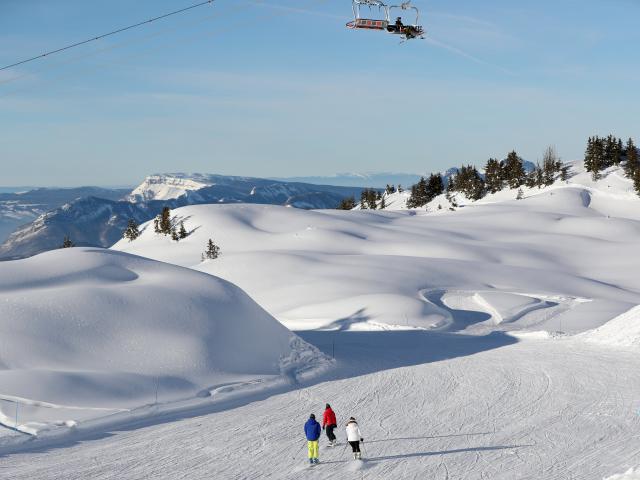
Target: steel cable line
(207, 34)
(108, 48)
(114, 32)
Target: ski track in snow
(551, 409)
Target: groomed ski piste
(497, 340)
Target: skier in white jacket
(354, 437)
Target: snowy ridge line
(38, 403)
(621, 331)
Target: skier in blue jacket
(312, 430)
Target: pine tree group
(347, 204)
(469, 182)
(602, 153)
(369, 199)
(425, 191)
(165, 225)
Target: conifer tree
(400, 189)
(636, 181)
(156, 224)
(67, 243)
(133, 231)
(540, 177)
(550, 165)
(633, 164)
(390, 189)
(212, 252)
(363, 200)
(598, 161)
(530, 179)
(347, 204)
(372, 199)
(165, 221)
(435, 186)
(520, 194)
(513, 168)
(589, 155)
(419, 194)
(383, 203)
(174, 234)
(493, 176)
(182, 233)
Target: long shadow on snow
(430, 437)
(363, 352)
(356, 353)
(434, 453)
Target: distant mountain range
(99, 217)
(20, 208)
(377, 179)
(364, 180)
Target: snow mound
(83, 331)
(631, 474)
(622, 331)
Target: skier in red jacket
(329, 422)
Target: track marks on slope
(481, 312)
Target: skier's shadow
(433, 453)
(447, 452)
(431, 437)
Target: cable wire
(120, 30)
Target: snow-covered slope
(622, 331)
(86, 332)
(552, 261)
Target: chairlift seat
(368, 24)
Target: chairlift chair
(368, 23)
(407, 31)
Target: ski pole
(298, 451)
(364, 450)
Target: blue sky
(281, 88)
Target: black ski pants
(355, 446)
(330, 435)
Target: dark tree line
(602, 153)
(498, 175)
